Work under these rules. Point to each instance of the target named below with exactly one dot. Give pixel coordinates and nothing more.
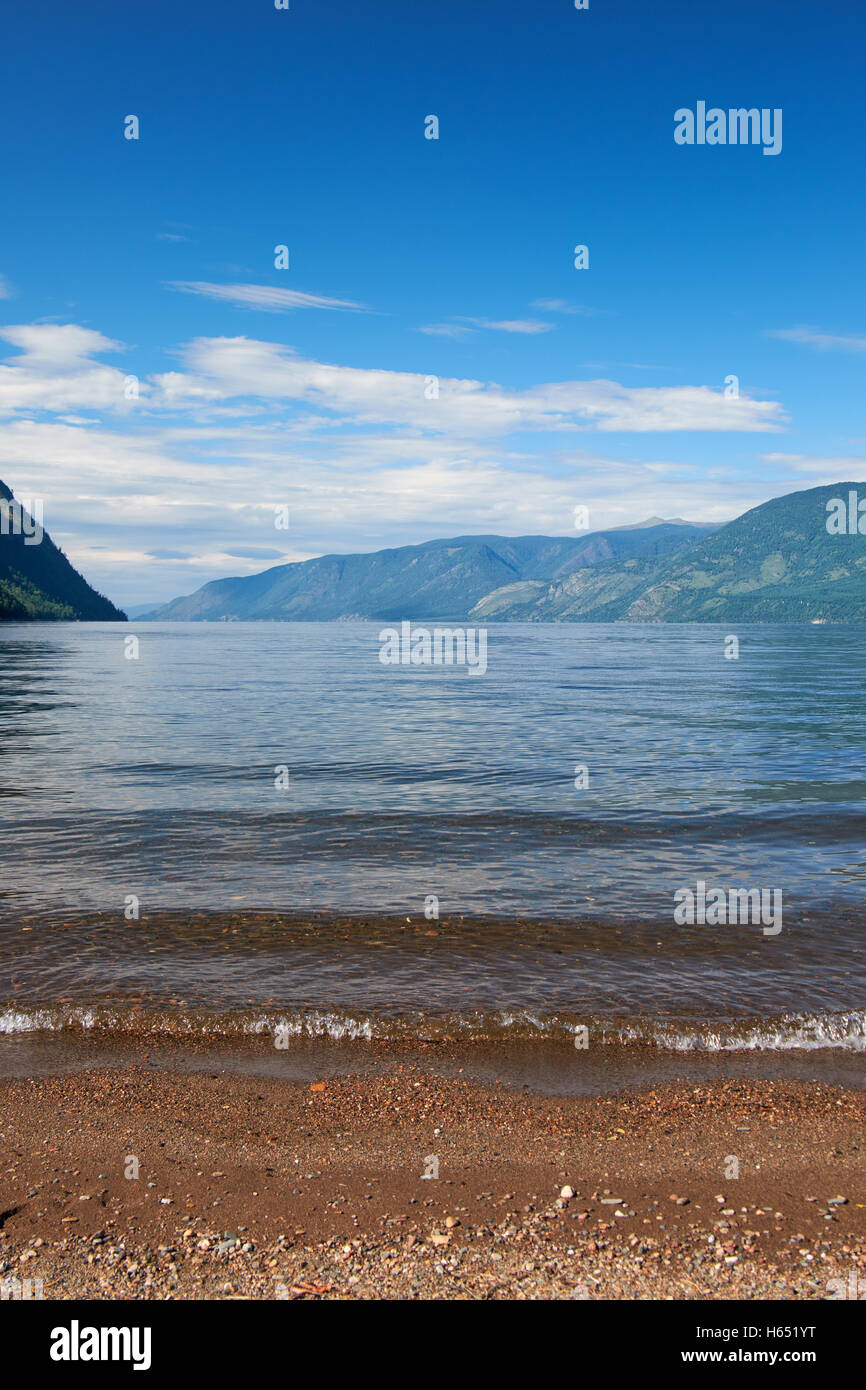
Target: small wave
(45, 1020)
(790, 1032)
(315, 1025)
(795, 1032)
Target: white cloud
(55, 370)
(220, 368)
(57, 343)
(269, 298)
(5, 288)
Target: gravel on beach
(130, 1182)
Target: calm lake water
(154, 779)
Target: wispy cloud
(632, 366)
(822, 467)
(446, 330)
(564, 306)
(813, 337)
(5, 288)
(462, 326)
(268, 298)
(513, 325)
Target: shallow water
(154, 780)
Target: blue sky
(412, 258)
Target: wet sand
(268, 1187)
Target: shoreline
(545, 1064)
(263, 1186)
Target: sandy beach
(263, 1188)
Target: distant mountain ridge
(776, 563)
(37, 582)
(786, 560)
(437, 579)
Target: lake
(248, 825)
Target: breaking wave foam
(789, 1032)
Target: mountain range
(37, 582)
(776, 563)
(783, 561)
(438, 579)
